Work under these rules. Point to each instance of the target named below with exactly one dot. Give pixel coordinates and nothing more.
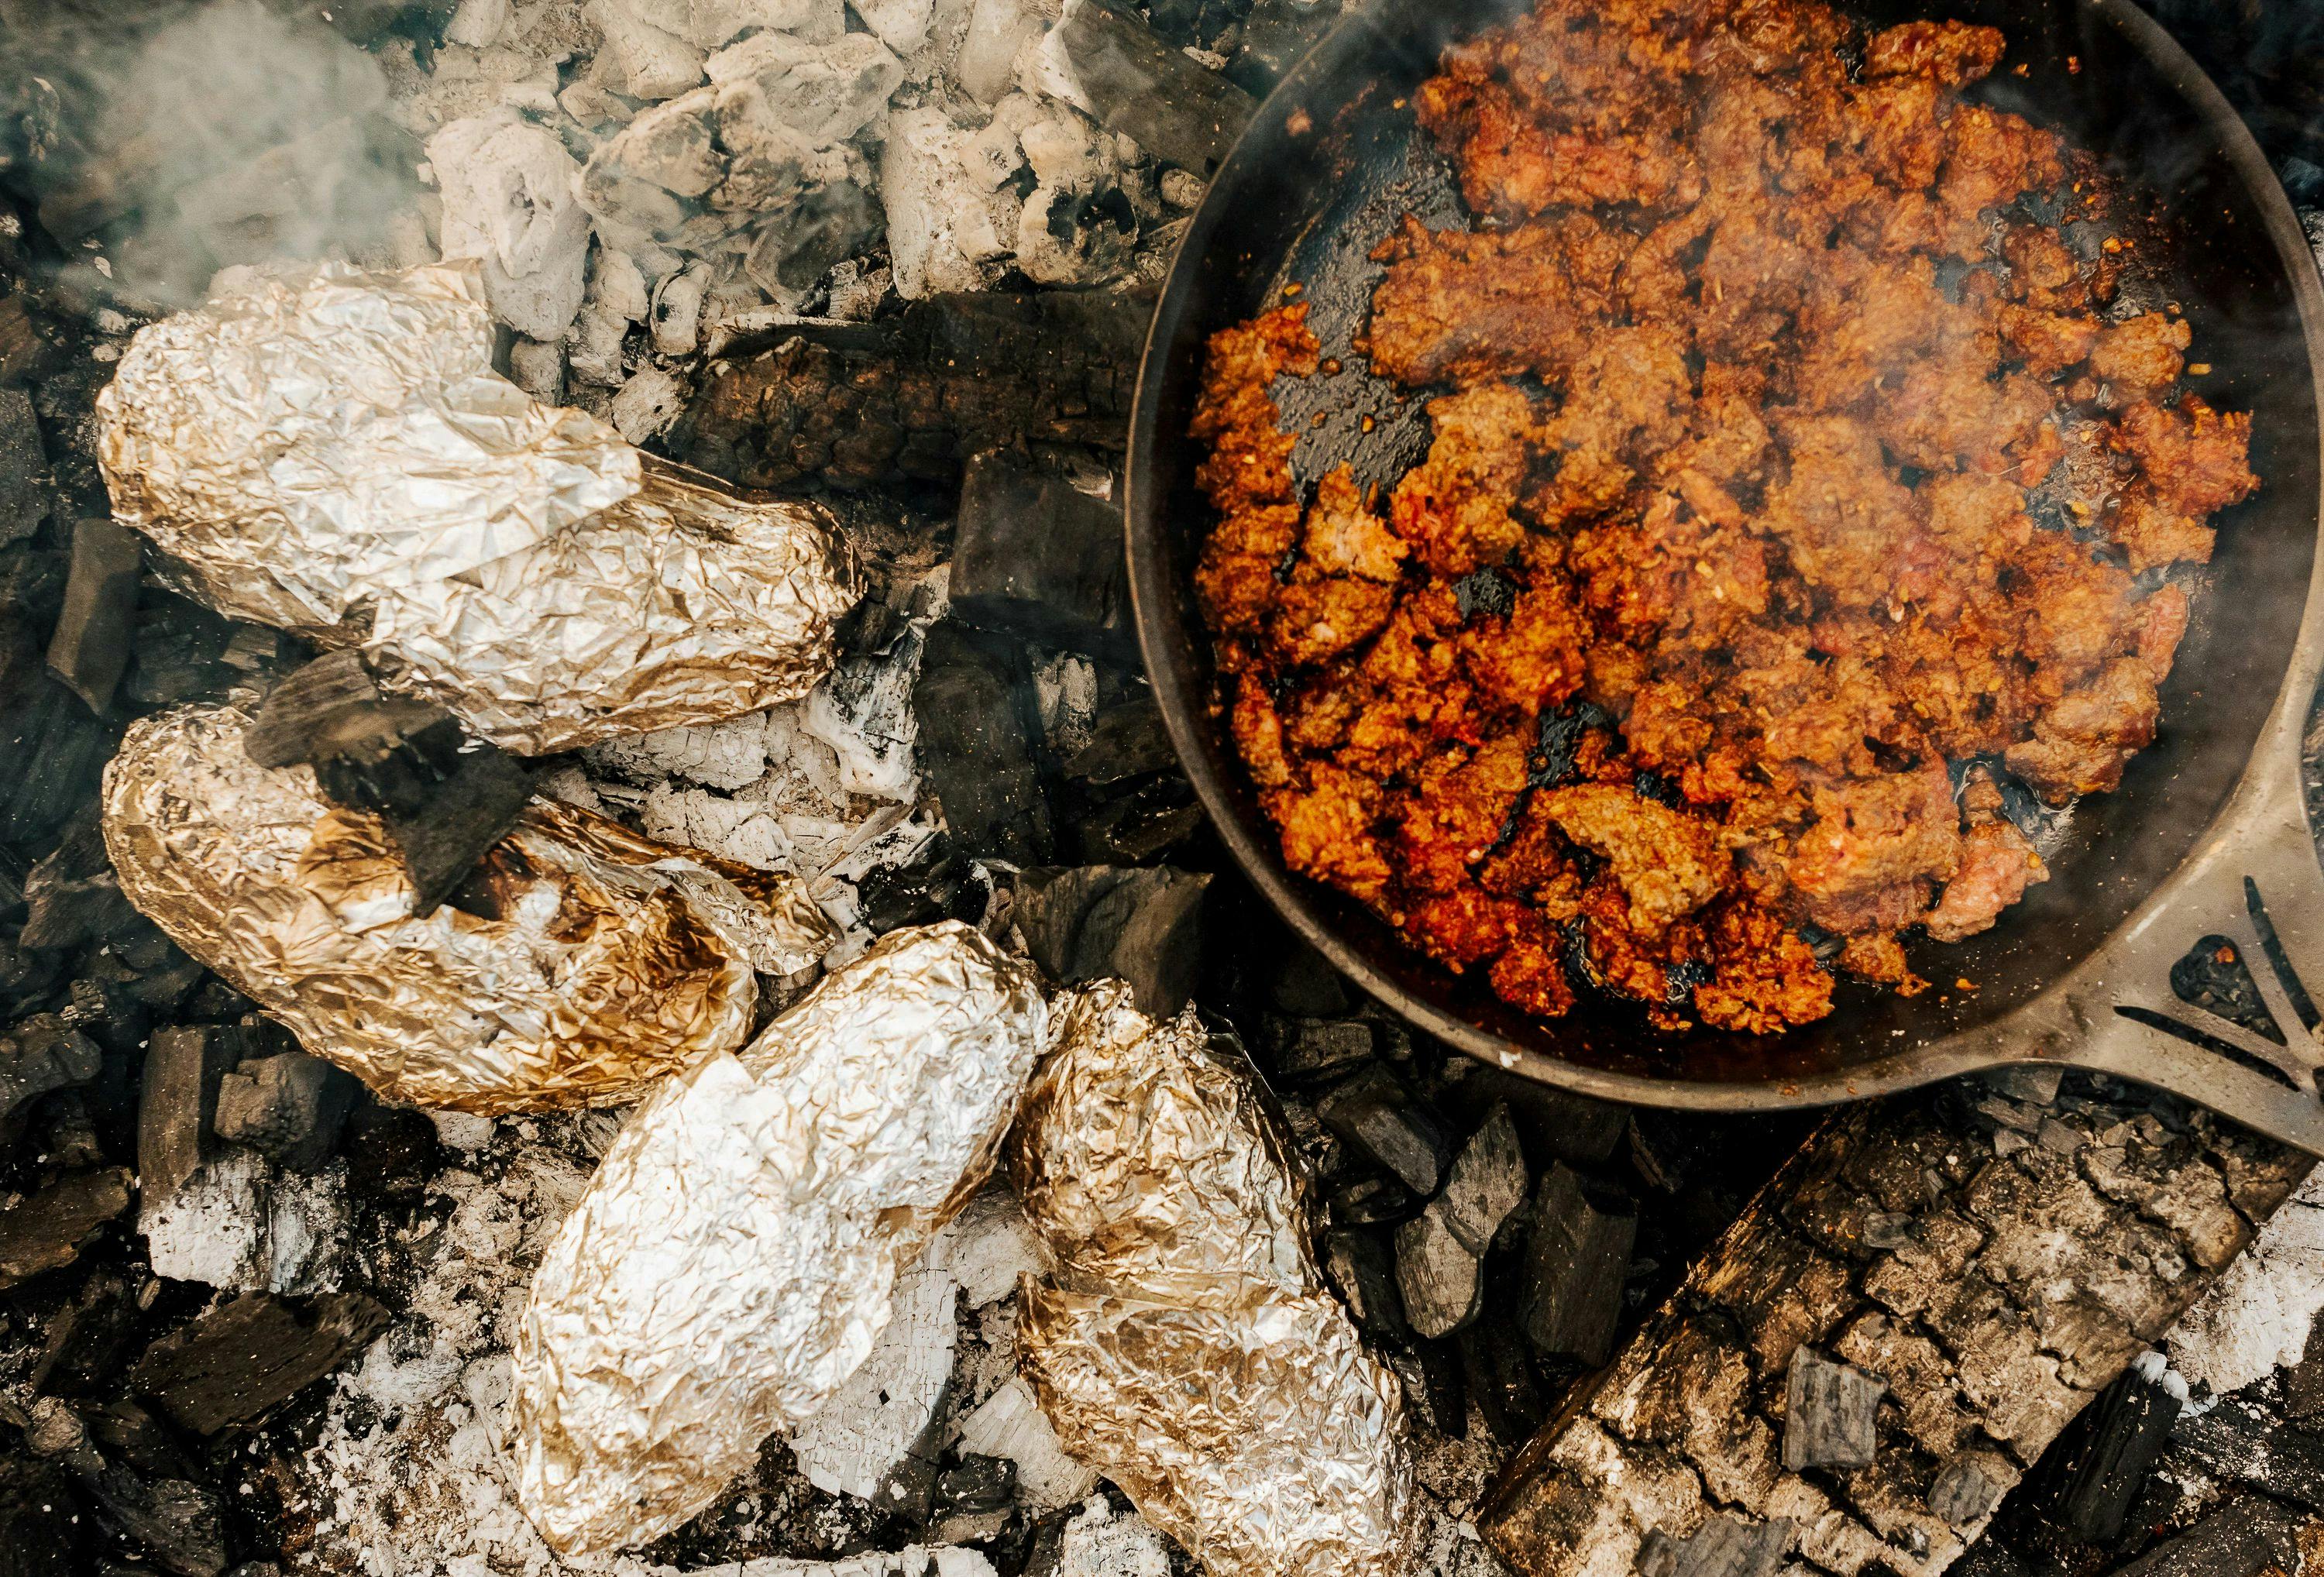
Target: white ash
(648, 404)
(1102, 1543)
(1064, 693)
(1009, 1423)
(508, 199)
(855, 1442)
(913, 1562)
(2256, 1316)
(242, 1224)
(994, 1246)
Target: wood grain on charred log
(1995, 1287)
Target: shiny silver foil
(329, 451)
(1188, 1347)
(734, 1258)
(582, 963)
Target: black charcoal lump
(1575, 1264)
(975, 748)
(288, 1107)
(1830, 1414)
(88, 650)
(1440, 1253)
(1138, 924)
(1161, 97)
(1038, 554)
(1376, 1113)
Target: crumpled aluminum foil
(1188, 1347)
(734, 1256)
(329, 451)
(610, 960)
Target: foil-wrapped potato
(734, 1258)
(580, 965)
(1188, 1347)
(330, 450)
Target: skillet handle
(2255, 880)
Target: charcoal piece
(903, 401)
(1969, 1487)
(1499, 1375)
(1364, 1272)
(1725, 1546)
(442, 797)
(89, 648)
(51, 748)
(1372, 1200)
(2097, 1480)
(1156, 95)
(2303, 1383)
(1376, 1113)
(25, 496)
(1434, 1386)
(126, 1432)
(86, 1339)
(1830, 1412)
(178, 1525)
(946, 887)
(2247, 1538)
(21, 344)
(183, 1065)
(1303, 1050)
(332, 707)
(829, 224)
(41, 1520)
(979, 1483)
(41, 1054)
(288, 1107)
(1440, 1253)
(1275, 36)
(245, 1358)
(1305, 983)
(48, 1229)
(391, 1152)
(1559, 1123)
(975, 751)
(1128, 741)
(1085, 923)
(1035, 556)
(1576, 1263)
(71, 897)
(1139, 828)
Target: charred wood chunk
(903, 402)
(1376, 1113)
(1829, 1413)
(975, 749)
(1161, 97)
(1304, 1050)
(330, 708)
(1435, 1385)
(48, 1229)
(1038, 557)
(1723, 1546)
(88, 1338)
(1126, 741)
(1364, 1273)
(179, 1525)
(1967, 1315)
(1086, 923)
(2248, 1540)
(1968, 1487)
(2121, 1439)
(2303, 1383)
(71, 897)
(178, 1104)
(1440, 1254)
(41, 1054)
(1575, 1264)
(288, 1107)
(89, 648)
(245, 1358)
(24, 495)
(1499, 1374)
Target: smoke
(184, 138)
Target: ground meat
(1721, 564)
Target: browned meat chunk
(1951, 53)
(1667, 863)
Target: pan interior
(1332, 161)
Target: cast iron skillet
(2207, 836)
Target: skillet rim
(1185, 706)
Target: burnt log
(1994, 1294)
(240, 1361)
(902, 403)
